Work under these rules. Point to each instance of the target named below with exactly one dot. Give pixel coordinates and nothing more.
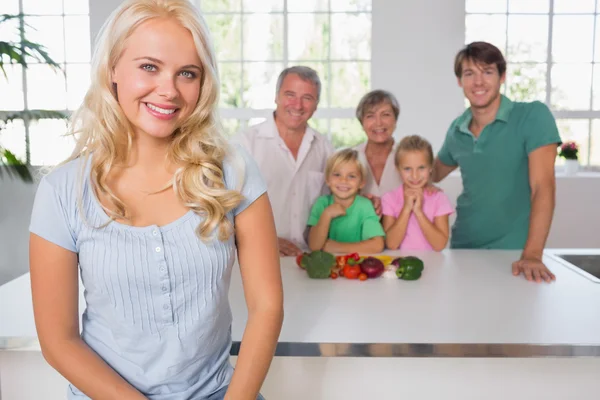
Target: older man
(291, 155)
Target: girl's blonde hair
(342, 157)
(413, 143)
(198, 145)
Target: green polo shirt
(493, 210)
(360, 222)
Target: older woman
(378, 113)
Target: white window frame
(63, 64)
(244, 114)
(560, 114)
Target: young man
(506, 152)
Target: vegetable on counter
(385, 259)
(372, 267)
(351, 271)
(390, 274)
(299, 260)
(353, 256)
(341, 261)
(318, 264)
(408, 268)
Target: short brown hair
(374, 98)
(480, 53)
(413, 143)
(342, 157)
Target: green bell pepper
(409, 268)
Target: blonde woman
(151, 208)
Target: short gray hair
(374, 98)
(305, 73)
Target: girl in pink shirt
(414, 218)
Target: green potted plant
(570, 152)
(17, 53)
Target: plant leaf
(6, 17)
(17, 52)
(13, 166)
(39, 53)
(32, 115)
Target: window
(552, 48)
(62, 26)
(256, 39)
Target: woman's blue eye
(148, 67)
(188, 74)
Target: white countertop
(463, 297)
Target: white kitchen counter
(467, 303)
(467, 330)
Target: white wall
(576, 215)
(99, 12)
(414, 43)
(16, 200)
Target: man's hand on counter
(287, 248)
(533, 269)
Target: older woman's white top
(390, 179)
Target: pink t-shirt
(434, 205)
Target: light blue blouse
(157, 308)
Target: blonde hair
(342, 157)
(413, 143)
(198, 145)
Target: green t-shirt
(360, 222)
(493, 210)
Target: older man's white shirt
(390, 179)
(293, 185)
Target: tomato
(363, 277)
(333, 275)
(351, 271)
(299, 260)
